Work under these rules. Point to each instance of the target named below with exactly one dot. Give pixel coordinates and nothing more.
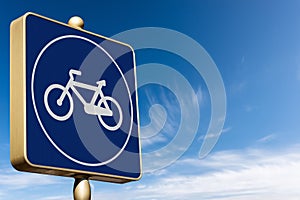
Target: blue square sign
(74, 108)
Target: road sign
(74, 108)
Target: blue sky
(255, 46)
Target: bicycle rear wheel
(53, 114)
(111, 101)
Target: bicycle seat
(101, 83)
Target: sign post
(73, 103)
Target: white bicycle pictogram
(100, 109)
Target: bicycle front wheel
(117, 117)
(46, 102)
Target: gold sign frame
(18, 121)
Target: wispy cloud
(249, 108)
(212, 135)
(242, 59)
(267, 138)
(238, 87)
(166, 117)
(151, 133)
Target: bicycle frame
(89, 107)
(100, 108)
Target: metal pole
(82, 189)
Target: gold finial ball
(76, 22)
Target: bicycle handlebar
(73, 71)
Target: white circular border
(40, 122)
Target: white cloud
(154, 140)
(251, 174)
(22, 185)
(18, 180)
(60, 197)
(239, 175)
